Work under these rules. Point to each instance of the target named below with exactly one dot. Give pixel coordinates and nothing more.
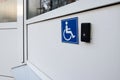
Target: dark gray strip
(26, 42)
(19, 66)
(6, 76)
(7, 28)
(112, 4)
(23, 34)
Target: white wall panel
(9, 55)
(98, 60)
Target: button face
(85, 32)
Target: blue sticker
(69, 30)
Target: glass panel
(8, 10)
(33, 8)
(36, 7)
(55, 4)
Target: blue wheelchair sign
(69, 30)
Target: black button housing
(85, 32)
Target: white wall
(98, 60)
(8, 50)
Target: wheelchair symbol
(67, 33)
